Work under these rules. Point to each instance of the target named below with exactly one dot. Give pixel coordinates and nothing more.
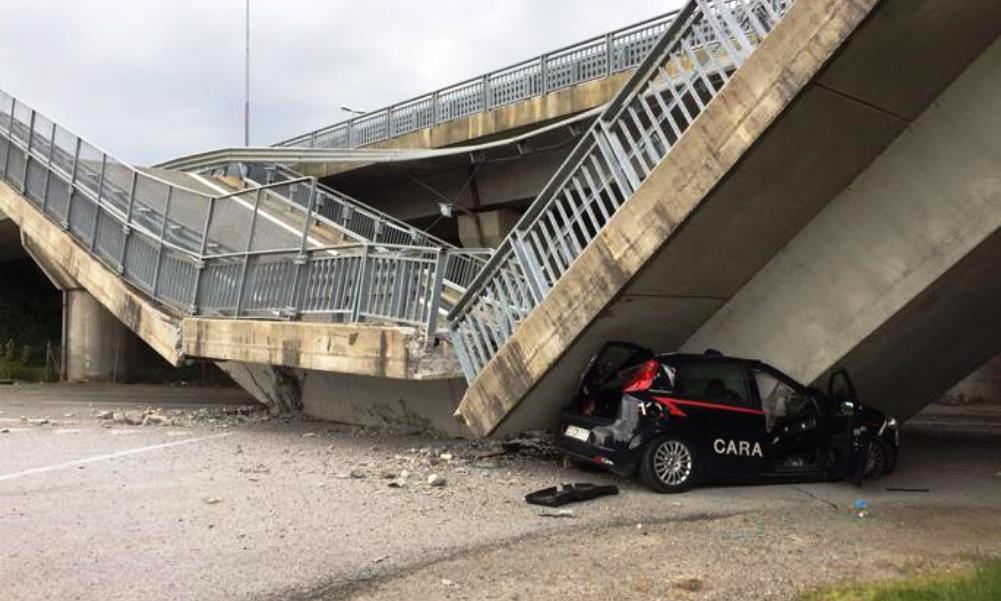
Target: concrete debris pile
(160, 416)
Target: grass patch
(981, 584)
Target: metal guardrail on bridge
(217, 255)
(692, 62)
(593, 58)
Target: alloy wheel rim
(874, 460)
(672, 462)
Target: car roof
(712, 358)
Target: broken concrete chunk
(105, 415)
(436, 480)
(211, 500)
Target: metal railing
(219, 255)
(359, 222)
(593, 58)
(705, 44)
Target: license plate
(578, 433)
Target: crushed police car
(679, 420)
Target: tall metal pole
(246, 106)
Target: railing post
(163, 232)
(10, 137)
(617, 158)
(48, 168)
(127, 226)
(97, 205)
(389, 122)
(241, 291)
(485, 84)
(609, 54)
(72, 187)
(545, 74)
(361, 285)
(27, 153)
(350, 133)
(434, 296)
(200, 265)
(301, 260)
(459, 344)
(434, 108)
(532, 270)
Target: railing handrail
(538, 59)
(106, 207)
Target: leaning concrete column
(96, 346)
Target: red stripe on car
(671, 402)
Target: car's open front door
(846, 432)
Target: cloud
(156, 79)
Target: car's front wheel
(877, 458)
(669, 465)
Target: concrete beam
(367, 350)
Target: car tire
(877, 458)
(669, 465)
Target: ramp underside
(823, 97)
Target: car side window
(714, 382)
(779, 400)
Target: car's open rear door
(848, 440)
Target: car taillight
(643, 378)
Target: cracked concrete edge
(755, 97)
(381, 351)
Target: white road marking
(76, 462)
(72, 430)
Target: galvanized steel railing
(226, 255)
(361, 223)
(596, 57)
(707, 41)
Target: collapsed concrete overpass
(717, 201)
(831, 206)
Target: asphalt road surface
(224, 504)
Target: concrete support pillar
(96, 346)
(486, 229)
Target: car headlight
(891, 424)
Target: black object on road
(555, 496)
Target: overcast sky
(150, 80)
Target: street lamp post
(246, 80)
